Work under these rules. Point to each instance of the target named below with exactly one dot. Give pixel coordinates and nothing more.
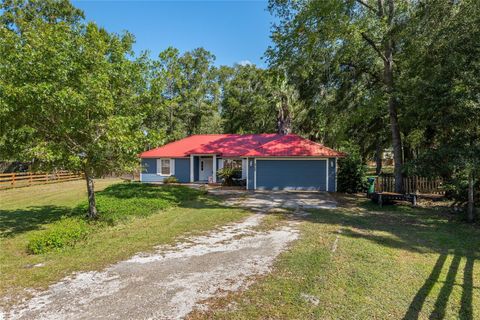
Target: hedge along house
(267, 161)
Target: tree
(255, 100)
(247, 101)
(184, 94)
(440, 86)
(326, 44)
(69, 91)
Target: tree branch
(374, 46)
(366, 5)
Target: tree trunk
(471, 202)
(284, 122)
(92, 206)
(397, 144)
(378, 159)
(392, 103)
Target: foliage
(171, 179)
(183, 94)
(228, 175)
(61, 234)
(370, 73)
(117, 204)
(78, 108)
(351, 174)
(259, 101)
(441, 64)
(341, 56)
(120, 202)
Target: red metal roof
(181, 147)
(292, 145)
(238, 145)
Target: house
(266, 161)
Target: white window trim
(327, 165)
(336, 173)
(191, 168)
(248, 164)
(214, 168)
(255, 174)
(159, 167)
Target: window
(164, 167)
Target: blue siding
(291, 174)
(149, 172)
(149, 166)
(152, 177)
(332, 173)
(182, 170)
(251, 172)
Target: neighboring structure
(267, 161)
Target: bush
(123, 201)
(351, 174)
(228, 175)
(63, 233)
(171, 179)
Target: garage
(291, 174)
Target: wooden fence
(23, 179)
(417, 185)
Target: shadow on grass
(13, 222)
(118, 199)
(418, 230)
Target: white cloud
(245, 62)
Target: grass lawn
(134, 218)
(363, 262)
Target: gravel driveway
(171, 282)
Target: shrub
(351, 174)
(123, 201)
(171, 179)
(228, 175)
(63, 233)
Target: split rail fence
(411, 185)
(23, 179)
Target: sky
(234, 31)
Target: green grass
(134, 217)
(392, 263)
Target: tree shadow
(174, 193)
(422, 294)
(466, 311)
(14, 222)
(18, 221)
(419, 230)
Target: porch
(204, 168)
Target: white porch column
(214, 178)
(191, 168)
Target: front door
(206, 169)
